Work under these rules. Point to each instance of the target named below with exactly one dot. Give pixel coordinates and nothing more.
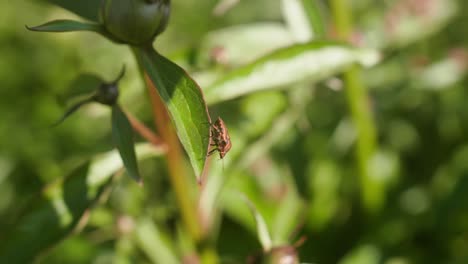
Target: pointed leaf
(122, 135)
(296, 18)
(262, 228)
(313, 61)
(88, 9)
(73, 109)
(67, 26)
(62, 208)
(149, 237)
(184, 101)
(83, 85)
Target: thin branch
(145, 132)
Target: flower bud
(135, 22)
(282, 255)
(108, 93)
(276, 255)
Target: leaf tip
(29, 28)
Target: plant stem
(373, 193)
(144, 131)
(175, 161)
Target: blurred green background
(292, 148)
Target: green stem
(175, 160)
(178, 175)
(373, 193)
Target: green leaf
(149, 237)
(242, 44)
(262, 228)
(297, 20)
(313, 61)
(362, 254)
(83, 85)
(122, 135)
(184, 101)
(64, 25)
(410, 28)
(88, 9)
(314, 12)
(62, 208)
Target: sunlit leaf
(440, 75)
(122, 135)
(240, 44)
(313, 61)
(184, 102)
(297, 20)
(63, 207)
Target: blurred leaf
(122, 135)
(184, 101)
(88, 9)
(150, 238)
(240, 44)
(279, 129)
(297, 20)
(262, 228)
(289, 214)
(324, 182)
(367, 254)
(313, 61)
(415, 200)
(313, 11)
(238, 185)
(224, 6)
(62, 208)
(410, 27)
(407, 22)
(442, 74)
(384, 165)
(258, 119)
(67, 26)
(83, 85)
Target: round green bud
(135, 22)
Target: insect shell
(220, 138)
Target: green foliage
(66, 26)
(63, 207)
(389, 189)
(184, 101)
(122, 135)
(286, 67)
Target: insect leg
(212, 151)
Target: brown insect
(220, 138)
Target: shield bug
(220, 138)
